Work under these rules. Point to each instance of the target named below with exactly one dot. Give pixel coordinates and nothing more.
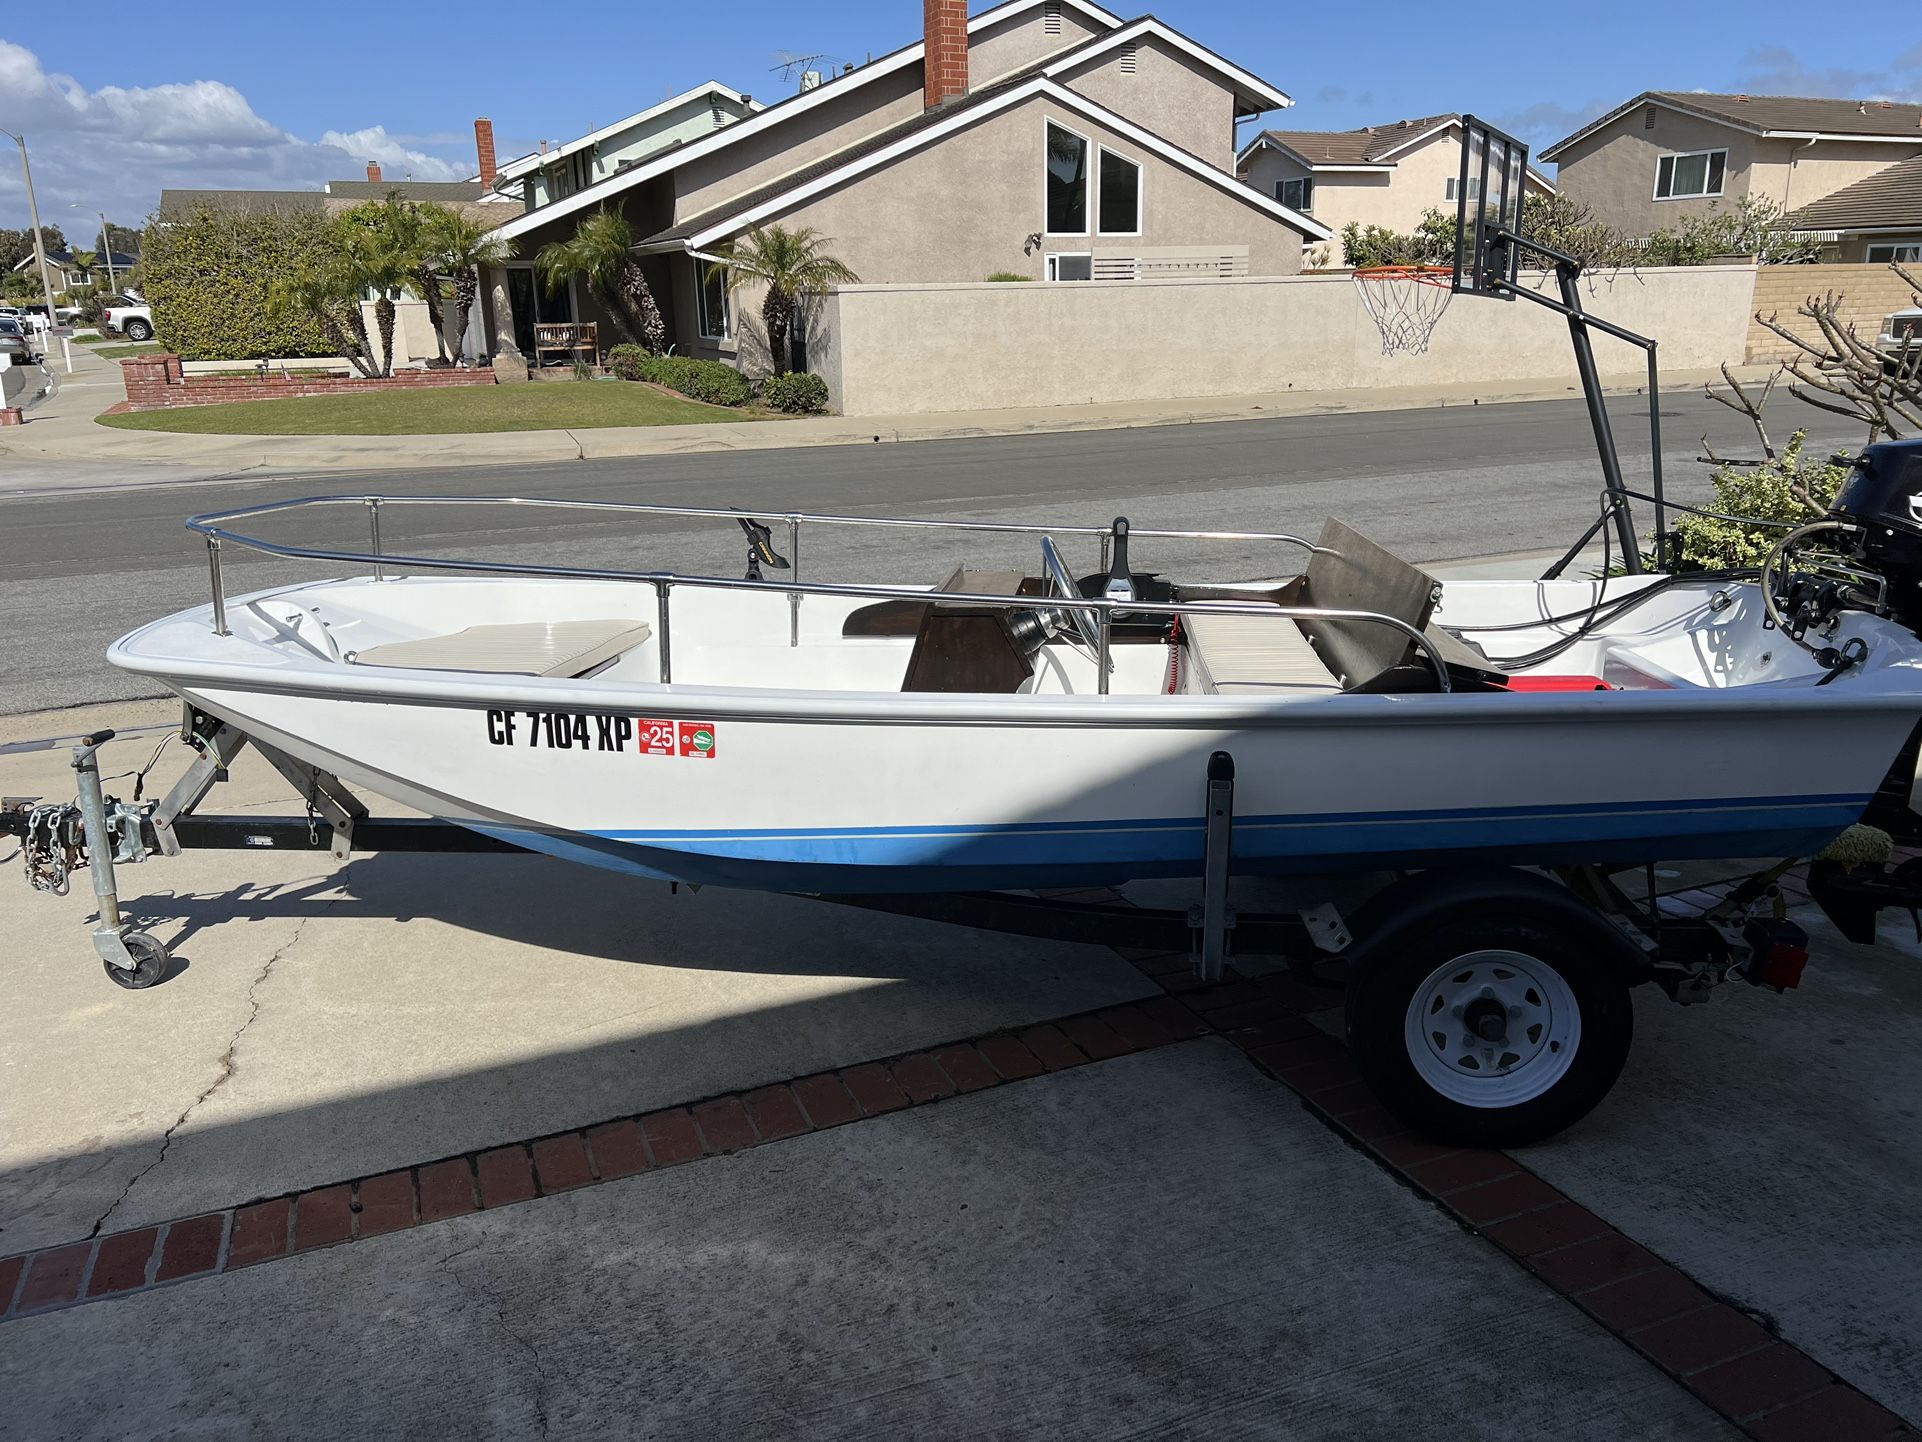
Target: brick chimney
(484, 145)
(945, 54)
(373, 172)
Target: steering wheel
(1804, 606)
(1061, 583)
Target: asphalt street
(79, 567)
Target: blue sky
(281, 95)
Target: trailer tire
(1489, 1009)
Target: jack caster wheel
(1494, 1020)
(150, 963)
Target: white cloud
(115, 148)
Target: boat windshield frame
(213, 526)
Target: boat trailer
(1686, 956)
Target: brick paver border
(1731, 1361)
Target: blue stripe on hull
(952, 858)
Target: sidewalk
(63, 429)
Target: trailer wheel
(1493, 1018)
(150, 963)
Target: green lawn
(121, 352)
(534, 406)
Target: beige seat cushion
(527, 648)
(1250, 655)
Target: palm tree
(790, 263)
(329, 293)
(601, 253)
(381, 245)
(84, 261)
(462, 248)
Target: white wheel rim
(1493, 1028)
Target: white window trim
(700, 304)
(1308, 180)
(1141, 191)
(1087, 179)
(1048, 266)
(1900, 243)
(1655, 191)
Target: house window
(715, 314)
(1909, 252)
(1298, 195)
(1120, 195)
(1070, 265)
(1474, 187)
(1694, 172)
(1067, 182)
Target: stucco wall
(1021, 40)
(1168, 94)
(1824, 168)
(841, 121)
(965, 207)
(1868, 292)
(896, 349)
(1396, 199)
(1613, 171)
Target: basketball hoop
(1406, 302)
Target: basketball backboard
(1488, 210)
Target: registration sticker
(697, 739)
(654, 738)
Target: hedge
(209, 278)
(799, 393)
(714, 382)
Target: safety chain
(54, 846)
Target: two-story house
(1666, 155)
(1387, 175)
(1045, 138)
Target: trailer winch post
(1214, 918)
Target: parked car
(1901, 333)
(16, 341)
(134, 321)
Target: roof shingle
(1889, 198)
(1354, 147)
(1772, 114)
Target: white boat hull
(867, 791)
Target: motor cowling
(1883, 496)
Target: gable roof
(1258, 93)
(534, 159)
(680, 154)
(1789, 117)
(64, 259)
(1370, 146)
(1888, 200)
(738, 214)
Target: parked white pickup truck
(134, 320)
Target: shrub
(799, 393)
(210, 278)
(1009, 275)
(714, 382)
(1785, 489)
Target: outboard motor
(1884, 498)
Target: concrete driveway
(491, 1146)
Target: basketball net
(1406, 302)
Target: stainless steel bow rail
(1103, 609)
